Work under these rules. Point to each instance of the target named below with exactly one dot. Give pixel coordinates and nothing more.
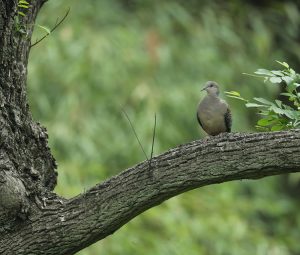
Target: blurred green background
(150, 56)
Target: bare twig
(153, 140)
(57, 24)
(135, 134)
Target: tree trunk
(33, 220)
(27, 168)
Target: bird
(213, 113)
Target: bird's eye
(211, 85)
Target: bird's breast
(211, 116)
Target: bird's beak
(203, 89)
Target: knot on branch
(13, 199)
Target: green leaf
(275, 80)
(23, 6)
(287, 107)
(263, 122)
(264, 113)
(233, 93)
(264, 72)
(283, 64)
(287, 79)
(277, 127)
(292, 86)
(249, 105)
(297, 84)
(287, 94)
(278, 102)
(23, 2)
(278, 73)
(292, 71)
(296, 123)
(277, 110)
(262, 100)
(48, 31)
(289, 114)
(240, 98)
(21, 13)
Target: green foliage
(46, 29)
(21, 13)
(154, 56)
(277, 115)
(20, 26)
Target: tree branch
(68, 226)
(56, 25)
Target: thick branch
(69, 226)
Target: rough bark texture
(35, 221)
(26, 165)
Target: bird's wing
(198, 118)
(228, 120)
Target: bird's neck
(214, 96)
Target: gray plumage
(213, 113)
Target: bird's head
(212, 88)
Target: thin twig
(57, 24)
(135, 134)
(153, 140)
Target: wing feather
(199, 121)
(228, 120)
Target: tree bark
(27, 168)
(33, 220)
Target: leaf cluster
(23, 6)
(276, 115)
